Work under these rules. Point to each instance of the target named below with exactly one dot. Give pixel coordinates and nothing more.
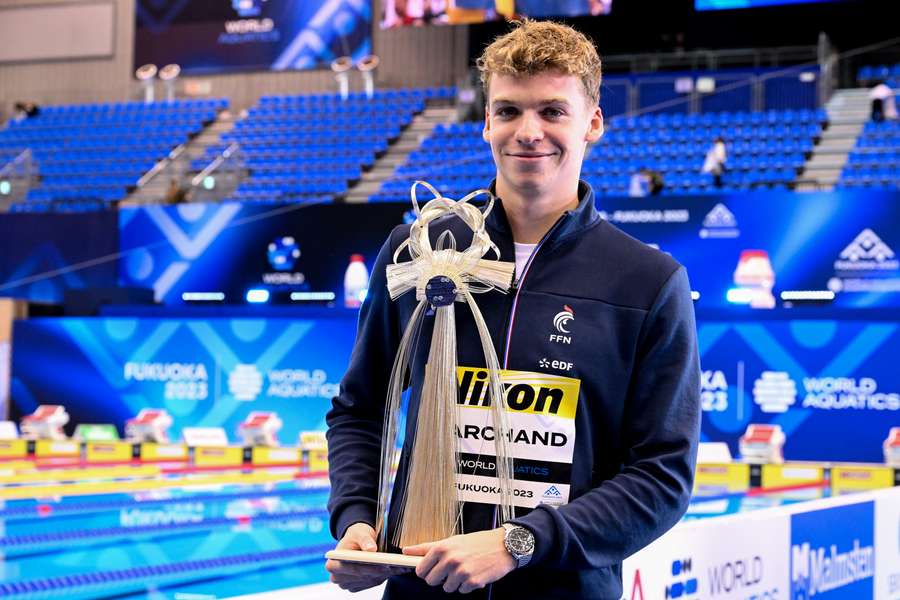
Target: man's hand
(464, 563)
(355, 577)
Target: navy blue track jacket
(632, 345)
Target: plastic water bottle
(356, 281)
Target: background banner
(733, 4)
(209, 37)
(205, 372)
(234, 247)
(842, 241)
(834, 548)
(4, 378)
(887, 544)
(839, 242)
(743, 559)
(398, 13)
(831, 384)
(837, 560)
(44, 254)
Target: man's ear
(595, 131)
(486, 132)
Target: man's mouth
(530, 155)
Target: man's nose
(530, 130)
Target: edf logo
(686, 585)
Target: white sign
(8, 431)
(744, 558)
(204, 436)
(4, 378)
(887, 545)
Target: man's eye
(553, 112)
(506, 111)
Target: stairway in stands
(153, 186)
(411, 138)
(848, 110)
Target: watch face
(521, 541)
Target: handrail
(161, 165)
(708, 59)
(22, 156)
(226, 154)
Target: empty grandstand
(88, 156)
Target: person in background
(716, 157)
(175, 194)
(639, 186)
(884, 106)
(656, 182)
(26, 110)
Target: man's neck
(531, 216)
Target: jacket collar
(573, 221)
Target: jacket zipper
(516, 288)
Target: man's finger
(361, 540)
(469, 586)
(439, 573)
(418, 549)
(427, 564)
(452, 583)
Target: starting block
(46, 423)
(209, 447)
(762, 444)
(10, 444)
(150, 425)
(892, 448)
(261, 429)
(101, 444)
(315, 450)
(755, 276)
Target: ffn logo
(560, 321)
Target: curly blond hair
(537, 46)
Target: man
(597, 321)
(715, 161)
(884, 106)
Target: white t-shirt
(715, 159)
(886, 95)
(523, 252)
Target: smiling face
(538, 127)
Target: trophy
(440, 276)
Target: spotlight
(145, 74)
(168, 74)
(367, 67)
(341, 66)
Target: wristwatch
(519, 542)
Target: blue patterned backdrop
(205, 372)
(43, 255)
(233, 247)
(831, 381)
